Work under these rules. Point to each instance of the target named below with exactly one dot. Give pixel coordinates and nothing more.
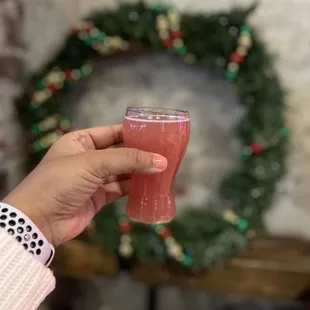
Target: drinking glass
(161, 131)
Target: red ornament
(235, 57)
(256, 148)
(176, 34)
(53, 89)
(165, 234)
(88, 27)
(125, 228)
(68, 74)
(167, 42)
(74, 31)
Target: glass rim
(168, 111)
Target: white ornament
(175, 250)
(126, 249)
(162, 23)
(174, 17)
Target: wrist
(20, 226)
(33, 213)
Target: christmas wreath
(222, 42)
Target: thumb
(117, 161)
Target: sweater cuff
(24, 281)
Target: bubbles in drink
(151, 198)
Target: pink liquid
(151, 199)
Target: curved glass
(161, 131)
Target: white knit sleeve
(24, 281)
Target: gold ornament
(50, 138)
(115, 42)
(125, 239)
(170, 241)
(162, 23)
(180, 257)
(103, 49)
(50, 122)
(54, 77)
(231, 217)
(163, 34)
(242, 51)
(175, 250)
(40, 96)
(245, 40)
(174, 16)
(126, 250)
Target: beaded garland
(229, 231)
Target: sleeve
(24, 281)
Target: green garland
(219, 41)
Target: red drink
(165, 132)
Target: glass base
(158, 210)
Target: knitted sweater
(24, 281)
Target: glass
(161, 131)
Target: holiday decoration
(222, 42)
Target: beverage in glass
(161, 131)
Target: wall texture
(11, 73)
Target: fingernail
(159, 162)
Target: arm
(82, 172)
(24, 281)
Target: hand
(65, 191)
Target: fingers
(85, 140)
(110, 192)
(99, 137)
(116, 178)
(117, 161)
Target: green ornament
(230, 75)
(89, 40)
(100, 37)
(245, 28)
(123, 219)
(187, 261)
(40, 85)
(37, 146)
(36, 129)
(159, 8)
(243, 225)
(245, 156)
(285, 132)
(158, 228)
(84, 73)
(180, 51)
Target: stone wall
(11, 74)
